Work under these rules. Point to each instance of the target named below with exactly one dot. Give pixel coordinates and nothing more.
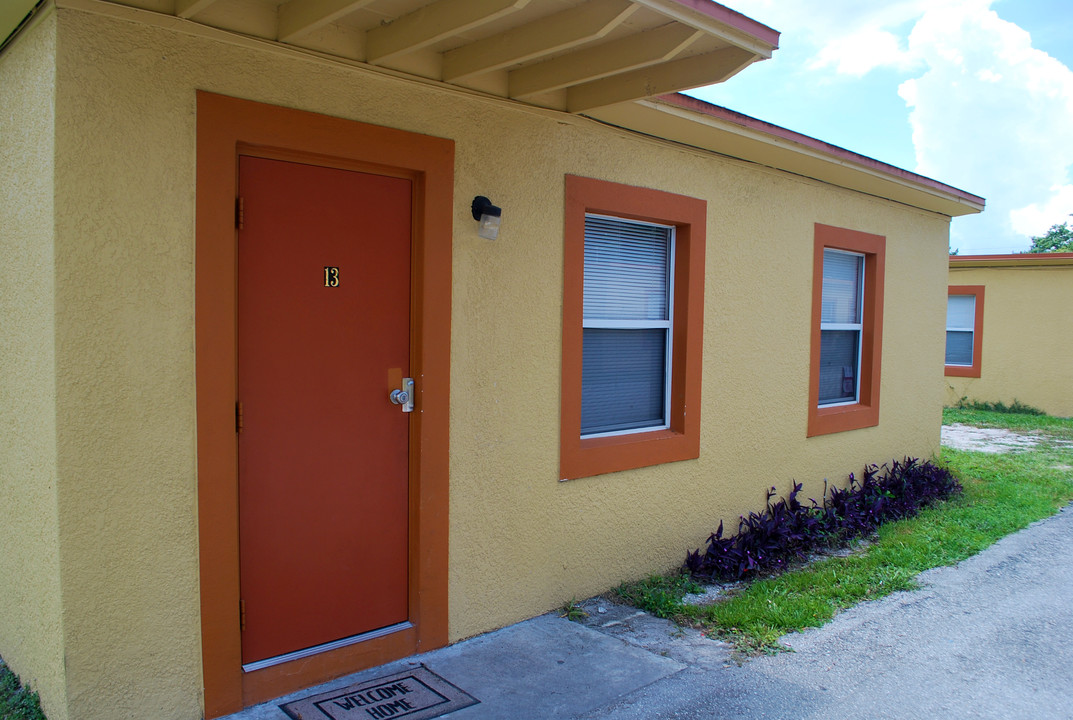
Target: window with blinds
(960, 326)
(627, 316)
(841, 327)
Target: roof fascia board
(17, 15)
(1012, 261)
(720, 21)
(693, 122)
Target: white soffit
(568, 55)
(618, 61)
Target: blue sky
(977, 94)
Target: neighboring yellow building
(232, 229)
(1010, 332)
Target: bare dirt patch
(990, 440)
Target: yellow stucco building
(235, 231)
(1010, 331)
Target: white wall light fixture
(487, 216)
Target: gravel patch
(710, 595)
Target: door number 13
(331, 276)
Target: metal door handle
(404, 396)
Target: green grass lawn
(16, 702)
(1002, 494)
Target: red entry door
(323, 320)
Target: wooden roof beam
(586, 22)
(609, 59)
(666, 77)
(190, 8)
(300, 17)
(432, 23)
(721, 22)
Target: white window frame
(971, 330)
(857, 326)
(644, 324)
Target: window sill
(586, 457)
(970, 371)
(841, 418)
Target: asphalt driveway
(989, 638)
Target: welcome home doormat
(416, 694)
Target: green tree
(1058, 239)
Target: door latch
(404, 396)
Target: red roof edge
(1026, 257)
(734, 19)
(721, 113)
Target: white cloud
(848, 36)
(822, 23)
(988, 112)
(1036, 219)
(858, 53)
(992, 115)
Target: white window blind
(960, 328)
(626, 326)
(841, 327)
(841, 287)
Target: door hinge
(238, 417)
(241, 615)
(240, 212)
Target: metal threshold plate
(334, 645)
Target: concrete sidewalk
(989, 638)
(546, 667)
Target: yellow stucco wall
(124, 366)
(521, 541)
(1028, 337)
(30, 610)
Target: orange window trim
(225, 127)
(681, 441)
(977, 332)
(865, 412)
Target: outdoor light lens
(488, 227)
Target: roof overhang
(567, 55)
(694, 122)
(621, 62)
(15, 15)
(1020, 260)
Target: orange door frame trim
(226, 128)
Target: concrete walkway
(989, 638)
